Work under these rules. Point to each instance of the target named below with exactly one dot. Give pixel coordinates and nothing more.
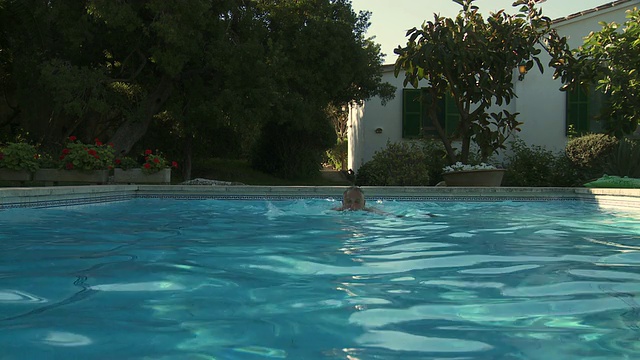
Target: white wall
(541, 104)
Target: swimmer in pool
(353, 200)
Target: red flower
(69, 166)
(62, 157)
(111, 144)
(1, 156)
(147, 165)
(118, 161)
(92, 152)
(65, 151)
(98, 142)
(174, 164)
(156, 160)
(148, 152)
(72, 138)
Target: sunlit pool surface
(292, 279)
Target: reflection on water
(167, 279)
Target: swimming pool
(260, 279)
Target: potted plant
(18, 161)
(155, 169)
(460, 174)
(80, 162)
(473, 63)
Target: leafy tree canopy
(473, 60)
(110, 69)
(609, 60)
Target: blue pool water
(292, 279)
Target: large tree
(473, 61)
(111, 69)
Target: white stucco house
(545, 111)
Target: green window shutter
(428, 130)
(415, 120)
(411, 113)
(577, 111)
(451, 117)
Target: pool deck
(38, 197)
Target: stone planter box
(15, 175)
(55, 176)
(483, 177)
(136, 176)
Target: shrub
(625, 160)
(590, 152)
(535, 166)
(337, 155)
(79, 156)
(291, 151)
(155, 162)
(436, 158)
(19, 156)
(399, 164)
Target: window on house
(415, 119)
(583, 109)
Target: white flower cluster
(464, 167)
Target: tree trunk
(188, 151)
(433, 115)
(133, 129)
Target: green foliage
(149, 162)
(291, 151)
(19, 156)
(337, 155)
(609, 60)
(473, 60)
(126, 163)
(534, 166)
(108, 68)
(625, 160)
(589, 153)
(436, 159)
(155, 162)
(399, 164)
(79, 156)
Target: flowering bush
(19, 156)
(155, 162)
(79, 156)
(465, 167)
(126, 163)
(151, 163)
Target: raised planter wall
(136, 176)
(15, 175)
(483, 177)
(55, 176)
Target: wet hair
(353, 188)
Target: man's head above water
(353, 199)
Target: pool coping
(38, 197)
